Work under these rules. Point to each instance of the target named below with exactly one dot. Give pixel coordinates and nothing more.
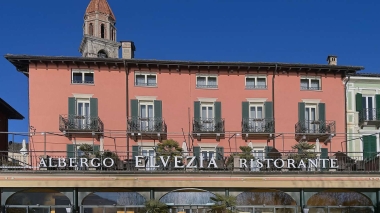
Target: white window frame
(373, 100)
(150, 165)
(256, 150)
(206, 86)
(256, 77)
(83, 72)
(145, 74)
(141, 119)
(208, 150)
(207, 104)
(256, 105)
(312, 78)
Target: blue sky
(293, 31)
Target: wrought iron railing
(369, 114)
(311, 88)
(143, 124)
(315, 127)
(257, 125)
(208, 125)
(255, 86)
(131, 162)
(206, 86)
(148, 84)
(80, 123)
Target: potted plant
(223, 204)
(304, 153)
(109, 154)
(246, 153)
(169, 148)
(155, 206)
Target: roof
(9, 111)
(366, 75)
(101, 6)
(21, 62)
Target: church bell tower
(99, 31)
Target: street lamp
(235, 134)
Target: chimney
(127, 49)
(332, 60)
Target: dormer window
(102, 54)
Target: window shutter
(197, 154)
(219, 153)
(322, 117)
(268, 110)
(96, 148)
(70, 148)
(245, 115)
(267, 150)
(324, 155)
(135, 151)
(94, 107)
(369, 146)
(301, 112)
(134, 108)
(218, 111)
(197, 110)
(377, 102)
(359, 103)
(71, 106)
(158, 109)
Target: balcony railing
(208, 125)
(315, 127)
(123, 162)
(142, 124)
(80, 123)
(369, 114)
(257, 125)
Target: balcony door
(82, 117)
(311, 119)
(207, 117)
(146, 116)
(368, 103)
(256, 121)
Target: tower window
(102, 30)
(91, 29)
(112, 35)
(102, 54)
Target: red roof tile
(101, 6)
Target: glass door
(150, 154)
(256, 123)
(207, 118)
(146, 116)
(83, 114)
(310, 117)
(368, 108)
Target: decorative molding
(260, 100)
(207, 99)
(146, 98)
(87, 96)
(208, 145)
(311, 101)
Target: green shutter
(94, 113)
(322, 117)
(218, 111)
(324, 155)
(96, 148)
(301, 112)
(134, 108)
(219, 153)
(369, 146)
(197, 154)
(268, 110)
(70, 148)
(377, 97)
(157, 109)
(197, 110)
(245, 116)
(359, 103)
(135, 151)
(268, 149)
(71, 106)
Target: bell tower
(99, 31)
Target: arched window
(91, 29)
(112, 33)
(102, 31)
(188, 197)
(102, 54)
(264, 196)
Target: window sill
(146, 86)
(196, 87)
(256, 88)
(313, 90)
(83, 84)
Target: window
(82, 77)
(146, 114)
(145, 79)
(311, 83)
(369, 110)
(255, 82)
(149, 153)
(311, 120)
(102, 31)
(207, 117)
(91, 29)
(256, 118)
(102, 54)
(207, 82)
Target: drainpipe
(345, 107)
(127, 100)
(274, 121)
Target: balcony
(147, 128)
(80, 124)
(208, 127)
(255, 128)
(369, 116)
(314, 129)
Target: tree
(169, 148)
(155, 206)
(223, 204)
(304, 152)
(246, 153)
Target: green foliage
(169, 148)
(223, 204)
(87, 149)
(305, 151)
(246, 153)
(155, 206)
